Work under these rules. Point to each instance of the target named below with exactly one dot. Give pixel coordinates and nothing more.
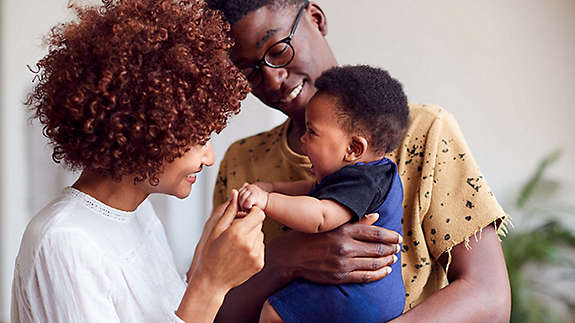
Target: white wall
(505, 69)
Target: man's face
(289, 88)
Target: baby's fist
(252, 195)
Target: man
(281, 48)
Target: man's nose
(273, 77)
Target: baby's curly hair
(133, 84)
(370, 102)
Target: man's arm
(353, 253)
(479, 288)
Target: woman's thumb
(229, 214)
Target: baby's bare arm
(291, 188)
(305, 213)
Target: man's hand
(352, 253)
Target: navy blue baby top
(364, 189)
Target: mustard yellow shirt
(446, 198)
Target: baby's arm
(250, 195)
(301, 213)
(288, 188)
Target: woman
(129, 94)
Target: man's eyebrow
(265, 38)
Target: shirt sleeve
(355, 187)
(67, 283)
(458, 199)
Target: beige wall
(505, 69)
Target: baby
(358, 114)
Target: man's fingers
(371, 264)
(372, 249)
(373, 233)
(229, 214)
(360, 276)
(369, 219)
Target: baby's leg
(269, 314)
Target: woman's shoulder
(54, 226)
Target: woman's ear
(356, 149)
(318, 17)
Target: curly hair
(133, 84)
(370, 101)
(235, 10)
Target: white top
(83, 261)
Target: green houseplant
(544, 241)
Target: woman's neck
(123, 195)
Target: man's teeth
(294, 93)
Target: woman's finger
(252, 221)
(228, 217)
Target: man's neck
(295, 131)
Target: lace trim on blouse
(99, 207)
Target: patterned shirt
(446, 198)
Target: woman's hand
(230, 251)
(352, 253)
(233, 250)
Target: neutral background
(505, 69)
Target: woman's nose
(209, 157)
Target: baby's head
(358, 114)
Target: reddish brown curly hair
(135, 83)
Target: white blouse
(83, 261)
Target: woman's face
(179, 175)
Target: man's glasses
(278, 55)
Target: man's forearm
(458, 302)
(479, 287)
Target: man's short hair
(234, 10)
(369, 102)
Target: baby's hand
(268, 187)
(252, 195)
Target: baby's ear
(356, 148)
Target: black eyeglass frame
(287, 40)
